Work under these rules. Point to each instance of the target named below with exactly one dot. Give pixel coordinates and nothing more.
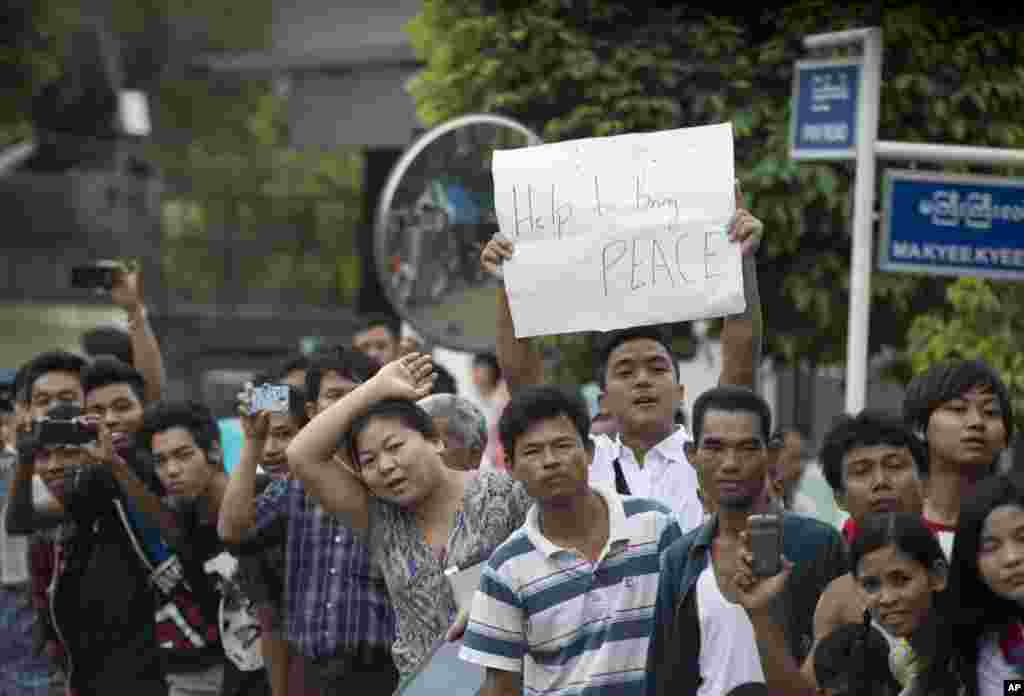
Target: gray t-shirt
(493, 507)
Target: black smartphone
(766, 544)
(64, 432)
(93, 276)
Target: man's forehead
(548, 428)
(57, 380)
(638, 349)
(375, 333)
(875, 452)
(731, 424)
(172, 439)
(977, 391)
(109, 392)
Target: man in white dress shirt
(641, 386)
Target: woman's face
(398, 463)
(1001, 552)
(899, 589)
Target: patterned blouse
(493, 507)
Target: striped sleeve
(495, 636)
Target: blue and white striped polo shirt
(567, 624)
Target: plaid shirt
(335, 598)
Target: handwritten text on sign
(621, 231)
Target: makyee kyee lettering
(959, 254)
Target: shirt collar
(672, 448)
(706, 534)
(617, 530)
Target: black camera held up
(76, 432)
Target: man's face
(377, 343)
(456, 455)
(182, 466)
(52, 388)
(880, 478)
(333, 387)
(56, 466)
(281, 429)
(641, 389)
(119, 408)
(732, 458)
(551, 461)
(968, 431)
(789, 468)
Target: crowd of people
(618, 551)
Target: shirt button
(334, 571)
(329, 605)
(337, 540)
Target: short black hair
(406, 412)
(613, 339)
(731, 399)
(950, 380)
(296, 399)
(444, 381)
(51, 361)
(535, 404)
(107, 370)
(108, 340)
(854, 658)
(190, 415)
(867, 429)
(347, 362)
(370, 321)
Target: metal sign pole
(863, 206)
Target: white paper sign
(621, 231)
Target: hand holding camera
(120, 278)
(256, 403)
(763, 570)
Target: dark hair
(904, 530)
(950, 380)
(975, 608)
(350, 364)
(108, 370)
(108, 340)
(867, 429)
(855, 659)
(444, 381)
(405, 412)
(296, 399)
(190, 415)
(750, 689)
(613, 339)
(731, 399)
(372, 321)
(51, 361)
(291, 363)
(535, 404)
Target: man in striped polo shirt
(567, 601)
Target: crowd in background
(143, 552)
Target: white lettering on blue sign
(975, 210)
(826, 88)
(958, 254)
(825, 132)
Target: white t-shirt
(728, 648)
(666, 476)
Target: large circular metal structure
(435, 214)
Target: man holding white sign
(639, 373)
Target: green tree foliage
(981, 319)
(241, 209)
(580, 69)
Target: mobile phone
(96, 276)
(50, 431)
(766, 544)
(272, 398)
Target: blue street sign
(823, 122)
(943, 224)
